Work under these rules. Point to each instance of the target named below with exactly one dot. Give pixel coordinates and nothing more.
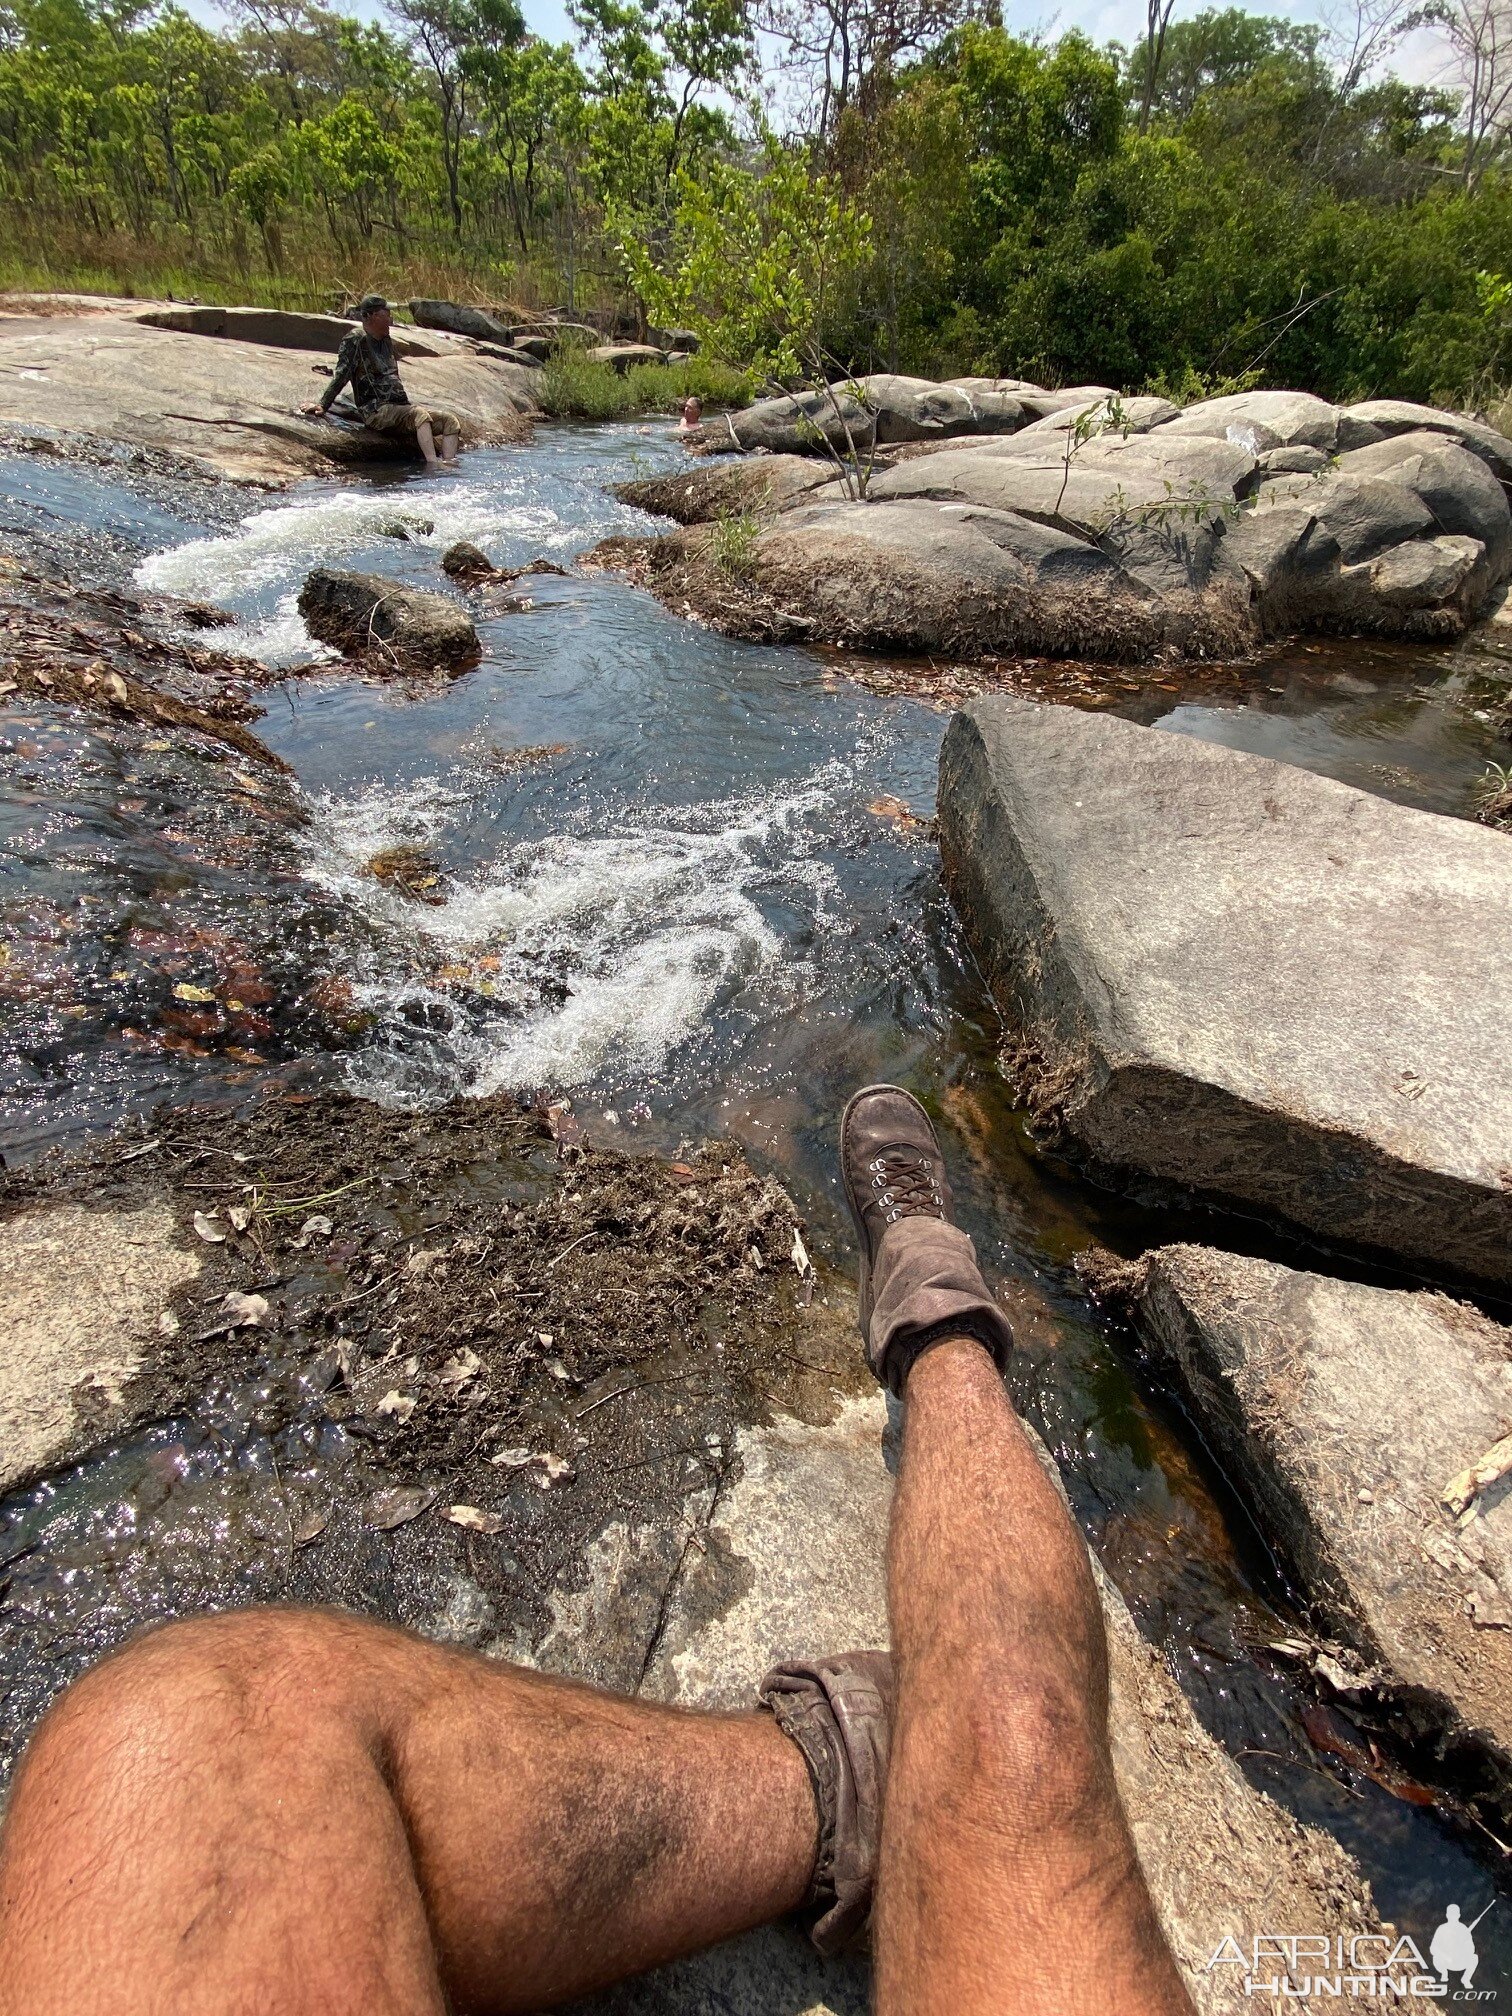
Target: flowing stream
(675, 885)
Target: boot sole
(865, 1295)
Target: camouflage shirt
(368, 364)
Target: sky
(1422, 58)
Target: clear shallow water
(671, 886)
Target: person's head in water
(374, 314)
(692, 411)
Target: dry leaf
(318, 1227)
(240, 1216)
(311, 1526)
(554, 1470)
(185, 992)
(396, 1506)
(512, 1459)
(475, 1520)
(399, 1405)
(207, 1228)
(247, 1312)
(460, 1368)
(1462, 1490)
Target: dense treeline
(1234, 198)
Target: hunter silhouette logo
(1452, 1947)
(1386, 1966)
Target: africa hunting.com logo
(1364, 1966)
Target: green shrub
(573, 386)
(733, 543)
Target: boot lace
(904, 1186)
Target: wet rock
(466, 562)
(1342, 1412)
(369, 616)
(622, 356)
(764, 484)
(460, 321)
(83, 1292)
(793, 1565)
(1247, 980)
(228, 408)
(411, 872)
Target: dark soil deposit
(454, 1346)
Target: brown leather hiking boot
(839, 1713)
(919, 1277)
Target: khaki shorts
(393, 419)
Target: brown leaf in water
(474, 1519)
(311, 1526)
(396, 1506)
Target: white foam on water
(649, 926)
(509, 511)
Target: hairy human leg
(426, 441)
(305, 1811)
(1008, 1879)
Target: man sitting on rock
(366, 362)
(302, 1811)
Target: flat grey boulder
(230, 408)
(795, 1567)
(1261, 420)
(460, 320)
(281, 327)
(1155, 507)
(623, 357)
(928, 576)
(1246, 980)
(1455, 485)
(1104, 415)
(709, 490)
(885, 408)
(1380, 419)
(368, 616)
(1342, 1413)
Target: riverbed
(689, 886)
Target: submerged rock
(83, 1291)
(466, 562)
(369, 616)
(1342, 1413)
(1244, 979)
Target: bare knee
(194, 1704)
